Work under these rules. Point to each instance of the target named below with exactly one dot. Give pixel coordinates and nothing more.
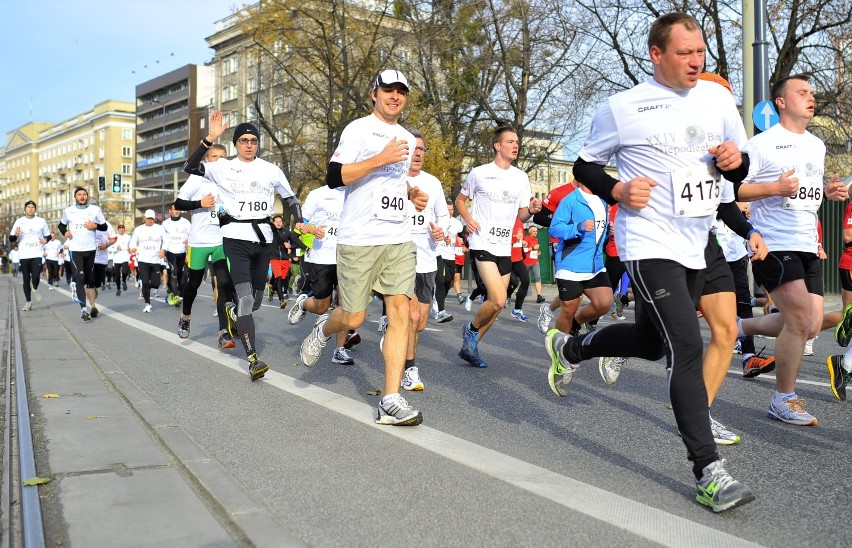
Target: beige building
(45, 162)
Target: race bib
(696, 191)
(497, 235)
(389, 203)
(331, 231)
(149, 246)
(254, 204)
(808, 197)
(533, 254)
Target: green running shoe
(843, 331)
(719, 491)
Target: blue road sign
(764, 115)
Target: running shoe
(469, 351)
(314, 343)
(383, 324)
(282, 304)
(118, 292)
(839, 377)
(590, 327)
(619, 309)
(843, 331)
(167, 299)
(518, 313)
(560, 373)
(183, 327)
(257, 367)
(225, 341)
(147, 309)
(719, 491)
(50, 288)
(756, 365)
(84, 315)
(298, 283)
(809, 348)
(156, 294)
(468, 304)
(231, 315)
(435, 308)
(411, 380)
(610, 368)
(396, 411)
(269, 290)
(124, 285)
(351, 340)
(36, 295)
(539, 299)
(73, 289)
(93, 311)
(792, 411)
(460, 298)
(738, 347)
(27, 307)
(545, 316)
(443, 317)
(721, 434)
(297, 311)
(341, 356)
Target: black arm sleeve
(737, 175)
(102, 227)
(295, 242)
(334, 175)
(47, 238)
(595, 178)
(187, 205)
(194, 166)
(13, 238)
(295, 208)
(731, 215)
(543, 217)
(62, 228)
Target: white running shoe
(147, 309)
(545, 316)
(297, 311)
(610, 368)
(36, 295)
(314, 343)
(27, 307)
(467, 303)
(435, 308)
(383, 324)
(411, 380)
(342, 356)
(809, 347)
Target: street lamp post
(162, 159)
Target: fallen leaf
(36, 481)
(374, 393)
(50, 396)
(96, 417)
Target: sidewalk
(123, 472)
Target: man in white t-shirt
(52, 252)
(673, 137)
(375, 252)
(30, 233)
(785, 182)
(120, 258)
(247, 187)
(177, 239)
(500, 193)
(78, 224)
(446, 273)
(149, 244)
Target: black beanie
(245, 128)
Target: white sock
(780, 396)
(740, 332)
(388, 398)
(846, 362)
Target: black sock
(409, 363)
(474, 329)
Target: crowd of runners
(694, 203)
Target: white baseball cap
(386, 78)
(149, 214)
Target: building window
(101, 153)
(227, 93)
(252, 85)
(126, 169)
(101, 135)
(126, 152)
(278, 107)
(127, 134)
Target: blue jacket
(576, 250)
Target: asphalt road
(498, 461)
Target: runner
(177, 239)
(533, 249)
(52, 255)
(445, 276)
(149, 244)
(30, 233)
(501, 194)
(120, 259)
(79, 223)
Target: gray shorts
(424, 287)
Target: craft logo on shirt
(653, 107)
(781, 147)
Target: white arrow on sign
(767, 113)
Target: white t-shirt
(447, 251)
(75, 218)
(733, 246)
(497, 196)
(102, 255)
(323, 207)
(247, 191)
(148, 240)
(376, 204)
(205, 230)
(53, 250)
(787, 224)
(177, 234)
(664, 134)
(435, 212)
(120, 248)
(33, 229)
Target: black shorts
(570, 289)
(450, 267)
(424, 287)
(786, 266)
(504, 264)
(321, 278)
(846, 279)
(716, 276)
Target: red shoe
(756, 365)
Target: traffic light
(116, 183)
(102, 183)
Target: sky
(62, 57)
